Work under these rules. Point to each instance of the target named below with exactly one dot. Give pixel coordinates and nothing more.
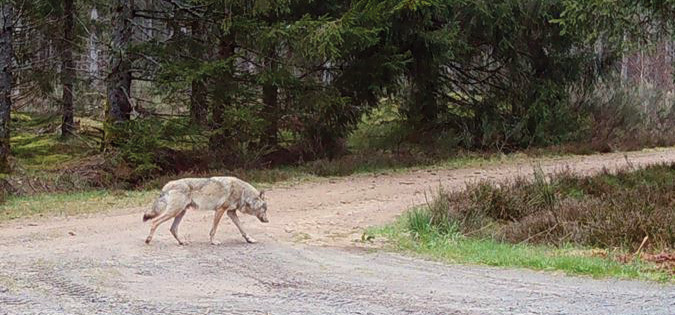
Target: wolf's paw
(183, 243)
(147, 240)
(250, 240)
(215, 243)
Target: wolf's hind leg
(156, 222)
(216, 219)
(176, 203)
(233, 216)
(174, 226)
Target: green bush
(143, 145)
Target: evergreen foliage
(260, 78)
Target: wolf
(221, 194)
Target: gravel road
(306, 262)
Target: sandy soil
(307, 262)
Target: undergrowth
(597, 225)
(452, 246)
(608, 210)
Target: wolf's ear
(262, 194)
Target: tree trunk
(222, 98)
(68, 68)
(270, 98)
(422, 108)
(198, 99)
(624, 61)
(119, 80)
(198, 102)
(6, 54)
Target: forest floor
(309, 260)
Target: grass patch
(413, 233)
(73, 203)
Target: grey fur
(220, 194)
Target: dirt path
(306, 261)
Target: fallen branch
(535, 235)
(644, 241)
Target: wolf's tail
(157, 208)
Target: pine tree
(6, 64)
(119, 78)
(68, 67)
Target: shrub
(146, 146)
(605, 210)
(626, 117)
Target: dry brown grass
(606, 211)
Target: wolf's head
(259, 207)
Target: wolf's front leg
(216, 219)
(233, 216)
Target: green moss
(51, 161)
(30, 145)
(35, 151)
(43, 151)
(20, 117)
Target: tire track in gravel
(307, 261)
